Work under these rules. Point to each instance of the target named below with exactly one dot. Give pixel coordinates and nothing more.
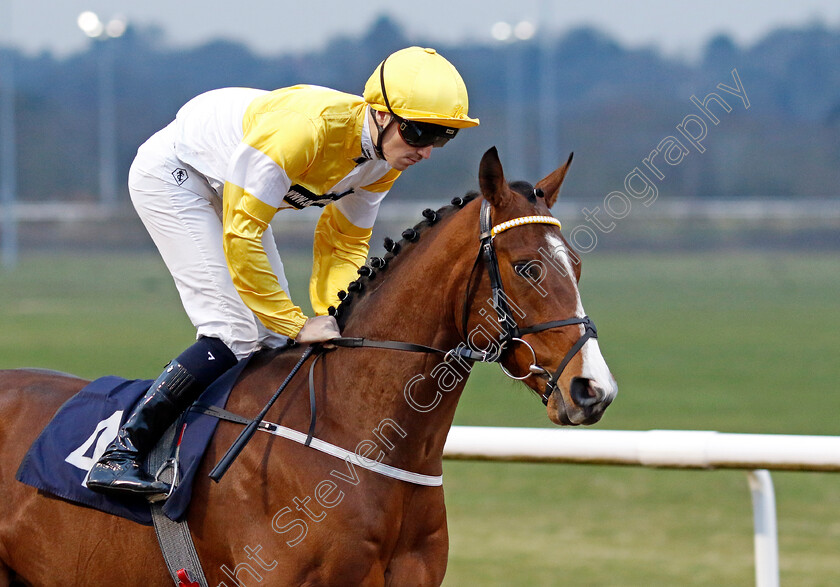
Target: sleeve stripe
(259, 175)
(360, 208)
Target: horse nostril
(585, 393)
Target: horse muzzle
(583, 403)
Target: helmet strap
(380, 132)
(381, 129)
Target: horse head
(516, 302)
(547, 339)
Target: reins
(509, 330)
(509, 333)
(461, 351)
(227, 460)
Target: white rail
(676, 449)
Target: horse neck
(419, 300)
(418, 295)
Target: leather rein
(509, 331)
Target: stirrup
(158, 497)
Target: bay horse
(288, 515)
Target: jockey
(206, 188)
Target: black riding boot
(120, 469)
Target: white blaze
(594, 365)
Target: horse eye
(528, 270)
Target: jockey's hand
(318, 329)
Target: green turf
(736, 343)
(733, 342)
(739, 343)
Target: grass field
(732, 342)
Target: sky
(679, 28)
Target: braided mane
(377, 265)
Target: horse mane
(377, 266)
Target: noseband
(509, 331)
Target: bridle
(509, 331)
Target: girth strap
(175, 538)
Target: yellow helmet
(420, 85)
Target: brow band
(524, 220)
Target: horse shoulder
(422, 548)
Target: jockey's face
(399, 154)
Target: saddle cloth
(60, 458)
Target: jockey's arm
(341, 242)
(245, 220)
(259, 175)
(338, 250)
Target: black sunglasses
(423, 134)
(417, 134)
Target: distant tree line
(612, 106)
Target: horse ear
(491, 179)
(550, 185)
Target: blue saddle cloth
(60, 458)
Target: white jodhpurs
(183, 215)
